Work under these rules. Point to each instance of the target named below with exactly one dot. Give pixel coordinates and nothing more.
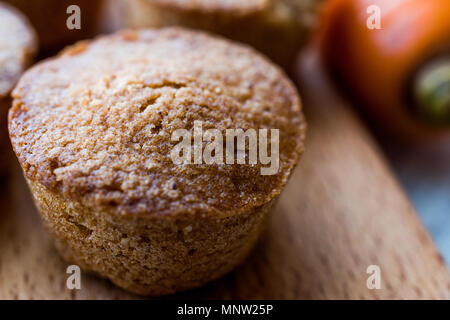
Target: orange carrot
(384, 68)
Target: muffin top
(17, 47)
(96, 122)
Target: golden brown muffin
(17, 48)
(278, 28)
(49, 18)
(92, 130)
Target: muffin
(93, 130)
(278, 28)
(17, 48)
(49, 18)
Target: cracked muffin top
(95, 123)
(17, 47)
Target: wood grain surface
(341, 212)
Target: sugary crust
(95, 123)
(18, 45)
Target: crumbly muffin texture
(17, 46)
(95, 123)
(92, 131)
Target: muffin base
(279, 39)
(148, 255)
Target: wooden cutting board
(341, 212)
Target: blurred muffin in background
(18, 45)
(277, 28)
(49, 18)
